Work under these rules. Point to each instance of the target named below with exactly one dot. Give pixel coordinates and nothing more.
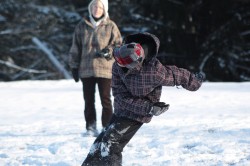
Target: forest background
(210, 36)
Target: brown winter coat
(87, 41)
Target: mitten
(105, 54)
(200, 76)
(158, 108)
(75, 74)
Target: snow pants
(108, 146)
(104, 87)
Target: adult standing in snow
(90, 59)
(137, 80)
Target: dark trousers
(104, 87)
(108, 146)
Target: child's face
(97, 9)
(130, 55)
(145, 48)
(135, 64)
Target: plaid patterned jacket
(136, 90)
(87, 41)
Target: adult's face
(97, 9)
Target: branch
(51, 57)
(31, 66)
(205, 60)
(21, 68)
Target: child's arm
(174, 76)
(185, 78)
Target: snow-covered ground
(42, 122)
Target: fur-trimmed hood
(145, 38)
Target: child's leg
(108, 146)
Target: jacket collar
(88, 22)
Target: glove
(158, 108)
(200, 76)
(105, 54)
(75, 74)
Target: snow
(42, 123)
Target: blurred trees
(201, 35)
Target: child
(137, 80)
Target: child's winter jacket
(136, 90)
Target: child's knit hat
(129, 55)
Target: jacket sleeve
(116, 39)
(174, 76)
(76, 49)
(124, 100)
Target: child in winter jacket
(137, 80)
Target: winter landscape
(42, 124)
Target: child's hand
(158, 108)
(200, 76)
